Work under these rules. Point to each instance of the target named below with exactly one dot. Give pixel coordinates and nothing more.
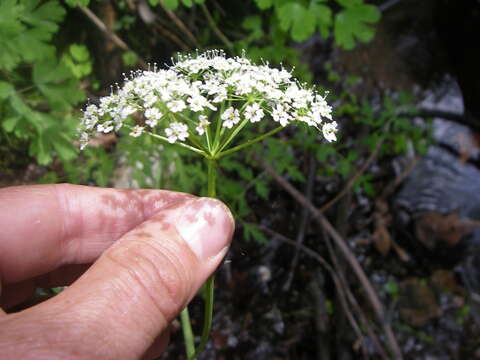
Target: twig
(172, 37)
(350, 296)
(312, 169)
(354, 178)
(180, 25)
(340, 243)
(215, 28)
(111, 34)
(325, 264)
(387, 5)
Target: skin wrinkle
(175, 273)
(182, 276)
(65, 209)
(160, 314)
(56, 343)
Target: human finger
(44, 227)
(128, 297)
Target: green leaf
(48, 178)
(353, 22)
(254, 24)
(298, 19)
(56, 83)
(65, 151)
(350, 3)
(262, 189)
(251, 231)
(323, 15)
(5, 90)
(10, 123)
(187, 3)
(77, 60)
(44, 17)
(26, 30)
(324, 151)
(129, 58)
(41, 150)
(74, 3)
(10, 27)
(264, 4)
(170, 4)
(79, 52)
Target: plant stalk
(187, 333)
(248, 143)
(208, 289)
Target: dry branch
(345, 250)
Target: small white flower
(84, 138)
(309, 119)
(230, 117)
(281, 115)
(254, 113)
(197, 84)
(90, 121)
(176, 105)
(106, 127)
(152, 116)
(321, 106)
(330, 131)
(176, 131)
(149, 100)
(137, 131)
(126, 111)
(198, 102)
(202, 125)
(221, 95)
(91, 110)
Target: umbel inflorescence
(204, 100)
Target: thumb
(131, 293)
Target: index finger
(43, 227)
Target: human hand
(151, 251)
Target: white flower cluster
(204, 91)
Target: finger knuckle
(157, 272)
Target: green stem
(212, 175)
(163, 138)
(248, 143)
(187, 333)
(207, 320)
(209, 285)
(218, 128)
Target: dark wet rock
(440, 201)
(440, 184)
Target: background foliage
(52, 59)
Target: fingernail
(206, 225)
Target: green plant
(202, 104)
(34, 80)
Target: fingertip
(206, 225)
